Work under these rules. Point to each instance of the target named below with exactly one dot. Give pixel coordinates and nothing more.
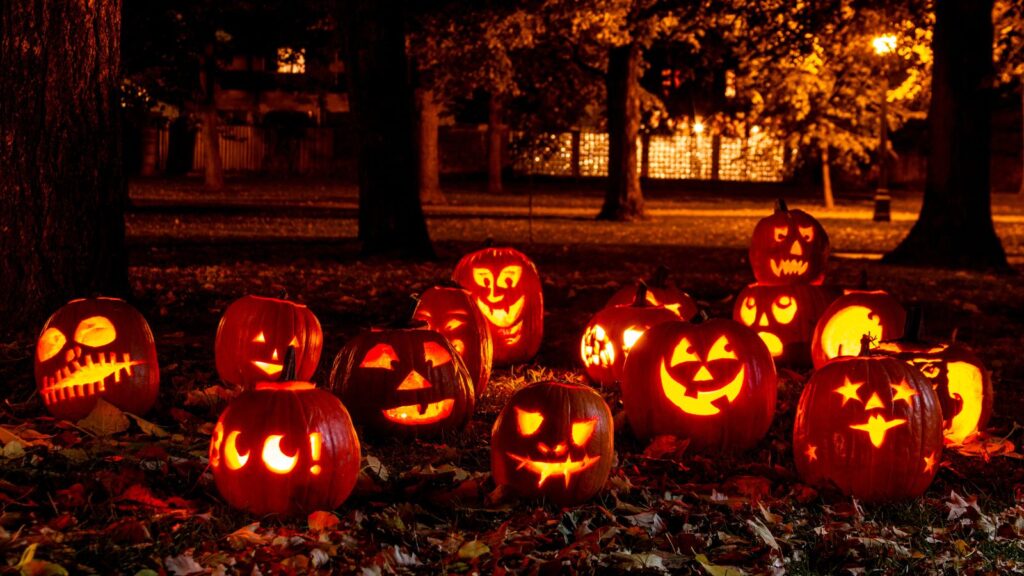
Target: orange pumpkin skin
(95, 348)
(285, 448)
(451, 312)
(507, 289)
(553, 440)
(784, 317)
(850, 317)
(789, 247)
(254, 334)
(674, 299)
(714, 383)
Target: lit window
(291, 61)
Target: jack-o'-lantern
(404, 381)
(713, 382)
(851, 316)
(96, 348)
(870, 425)
(255, 333)
(450, 311)
(285, 448)
(659, 293)
(553, 440)
(611, 333)
(789, 247)
(506, 288)
(784, 317)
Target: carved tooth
(103, 386)
(117, 375)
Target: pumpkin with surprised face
(784, 317)
(450, 311)
(789, 247)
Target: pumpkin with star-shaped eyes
(506, 288)
(851, 316)
(784, 317)
(611, 333)
(96, 348)
(789, 247)
(405, 381)
(254, 334)
(553, 440)
(871, 425)
(712, 382)
(450, 311)
(659, 293)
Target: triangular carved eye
(528, 422)
(95, 331)
(294, 342)
(380, 356)
(721, 350)
(582, 431)
(436, 354)
(260, 338)
(50, 343)
(684, 353)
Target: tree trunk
(150, 151)
(826, 178)
(429, 112)
(623, 199)
(955, 226)
(62, 193)
(181, 144)
(495, 144)
(214, 168)
(1021, 189)
(391, 218)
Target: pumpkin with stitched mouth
(507, 289)
(553, 440)
(854, 314)
(450, 311)
(784, 317)
(789, 247)
(659, 293)
(96, 348)
(713, 382)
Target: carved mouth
(773, 342)
(78, 380)
(268, 368)
(503, 317)
(788, 267)
(699, 404)
(419, 414)
(548, 469)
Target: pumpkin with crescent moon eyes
(851, 316)
(789, 247)
(450, 311)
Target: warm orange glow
(788, 266)
(316, 442)
(232, 459)
(294, 342)
(95, 331)
(268, 368)
(795, 249)
(548, 469)
(885, 44)
(260, 338)
(453, 324)
(85, 375)
(51, 342)
(596, 348)
(528, 422)
(784, 309)
(811, 452)
(684, 352)
(807, 232)
(903, 391)
(414, 381)
(502, 317)
(843, 332)
(630, 336)
(929, 463)
(780, 233)
(773, 342)
(436, 354)
(849, 391)
(874, 402)
(748, 312)
(294, 386)
(218, 439)
(967, 383)
(877, 426)
(582, 431)
(698, 127)
(509, 276)
(701, 404)
(380, 356)
(721, 350)
(418, 414)
(277, 462)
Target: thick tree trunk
(623, 199)
(150, 151)
(391, 218)
(495, 144)
(826, 178)
(955, 226)
(429, 115)
(62, 193)
(214, 168)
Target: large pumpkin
(254, 334)
(450, 311)
(851, 316)
(714, 383)
(784, 317)
(789, 247)
(404, 381)
(506, 288)
(96, 348)
(659, 293)
(553, 440)
(611, 333)
(870, 425)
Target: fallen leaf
(148, 427)
(716, 570)
(473, 549)
(321, 520)
(183, 565)
(105, 420)
(762, 532)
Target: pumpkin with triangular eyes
(713, 382)
(784, 317)
(789, 247)
(404, 381)
(553, 440)
(854, 314)
(450, 311)
(96, 348)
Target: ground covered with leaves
(116, 493)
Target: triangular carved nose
(796, 249)
(703, 375)
(414, 382)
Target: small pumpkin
(450, 311)
(854, 314)
(94, 348)
(659, 293)
(553, 440)
(789, 247)
(784, 317)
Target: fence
(256, 148)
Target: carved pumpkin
(255, 333)
(784, 317)
(506, 288)
(789, 247)
(404, 381)
(714, 383)
(659, 293)
(451, 312)
(553, 440)
(872, 426)
(852, 315)
(611, 333)
(96, 348)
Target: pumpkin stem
(700, 317)
(780, 206)
(865, 345)
(288, 369)
(914, 324)
(660, 277)
(405, 319)
(640, 299)
(952, 337)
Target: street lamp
(884, 46)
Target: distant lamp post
(884, 46)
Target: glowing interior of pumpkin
(225, 449)
(501, 308)
(686, 396)
(273, 367)
(597, 348)
(528, 423)
(843, 332)
(783, 310)
(876, 426)
(965, 383)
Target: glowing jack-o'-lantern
(714, 383)
(659, 293)
(851, 316)
(96, 348)
(611, 333)
(784, 317)
(255, 333)
(506, 288)
(451, 312)
(871, 425)
(553, 440)
(404, 381)
(789, 247)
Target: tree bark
(62, 192)
(429, 113)
(214, 167)
(623, 199)
(495, 144)
(826, 178)
(391, 218)
(955, 227)
(150, 151)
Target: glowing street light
(884, 46)
(698, 127)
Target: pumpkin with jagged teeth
(789, 247)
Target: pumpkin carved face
(553, 440)
(784, 317)
(451, 312)
(96, 348)
(789, 247)
(506, 288)
(852, 315)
